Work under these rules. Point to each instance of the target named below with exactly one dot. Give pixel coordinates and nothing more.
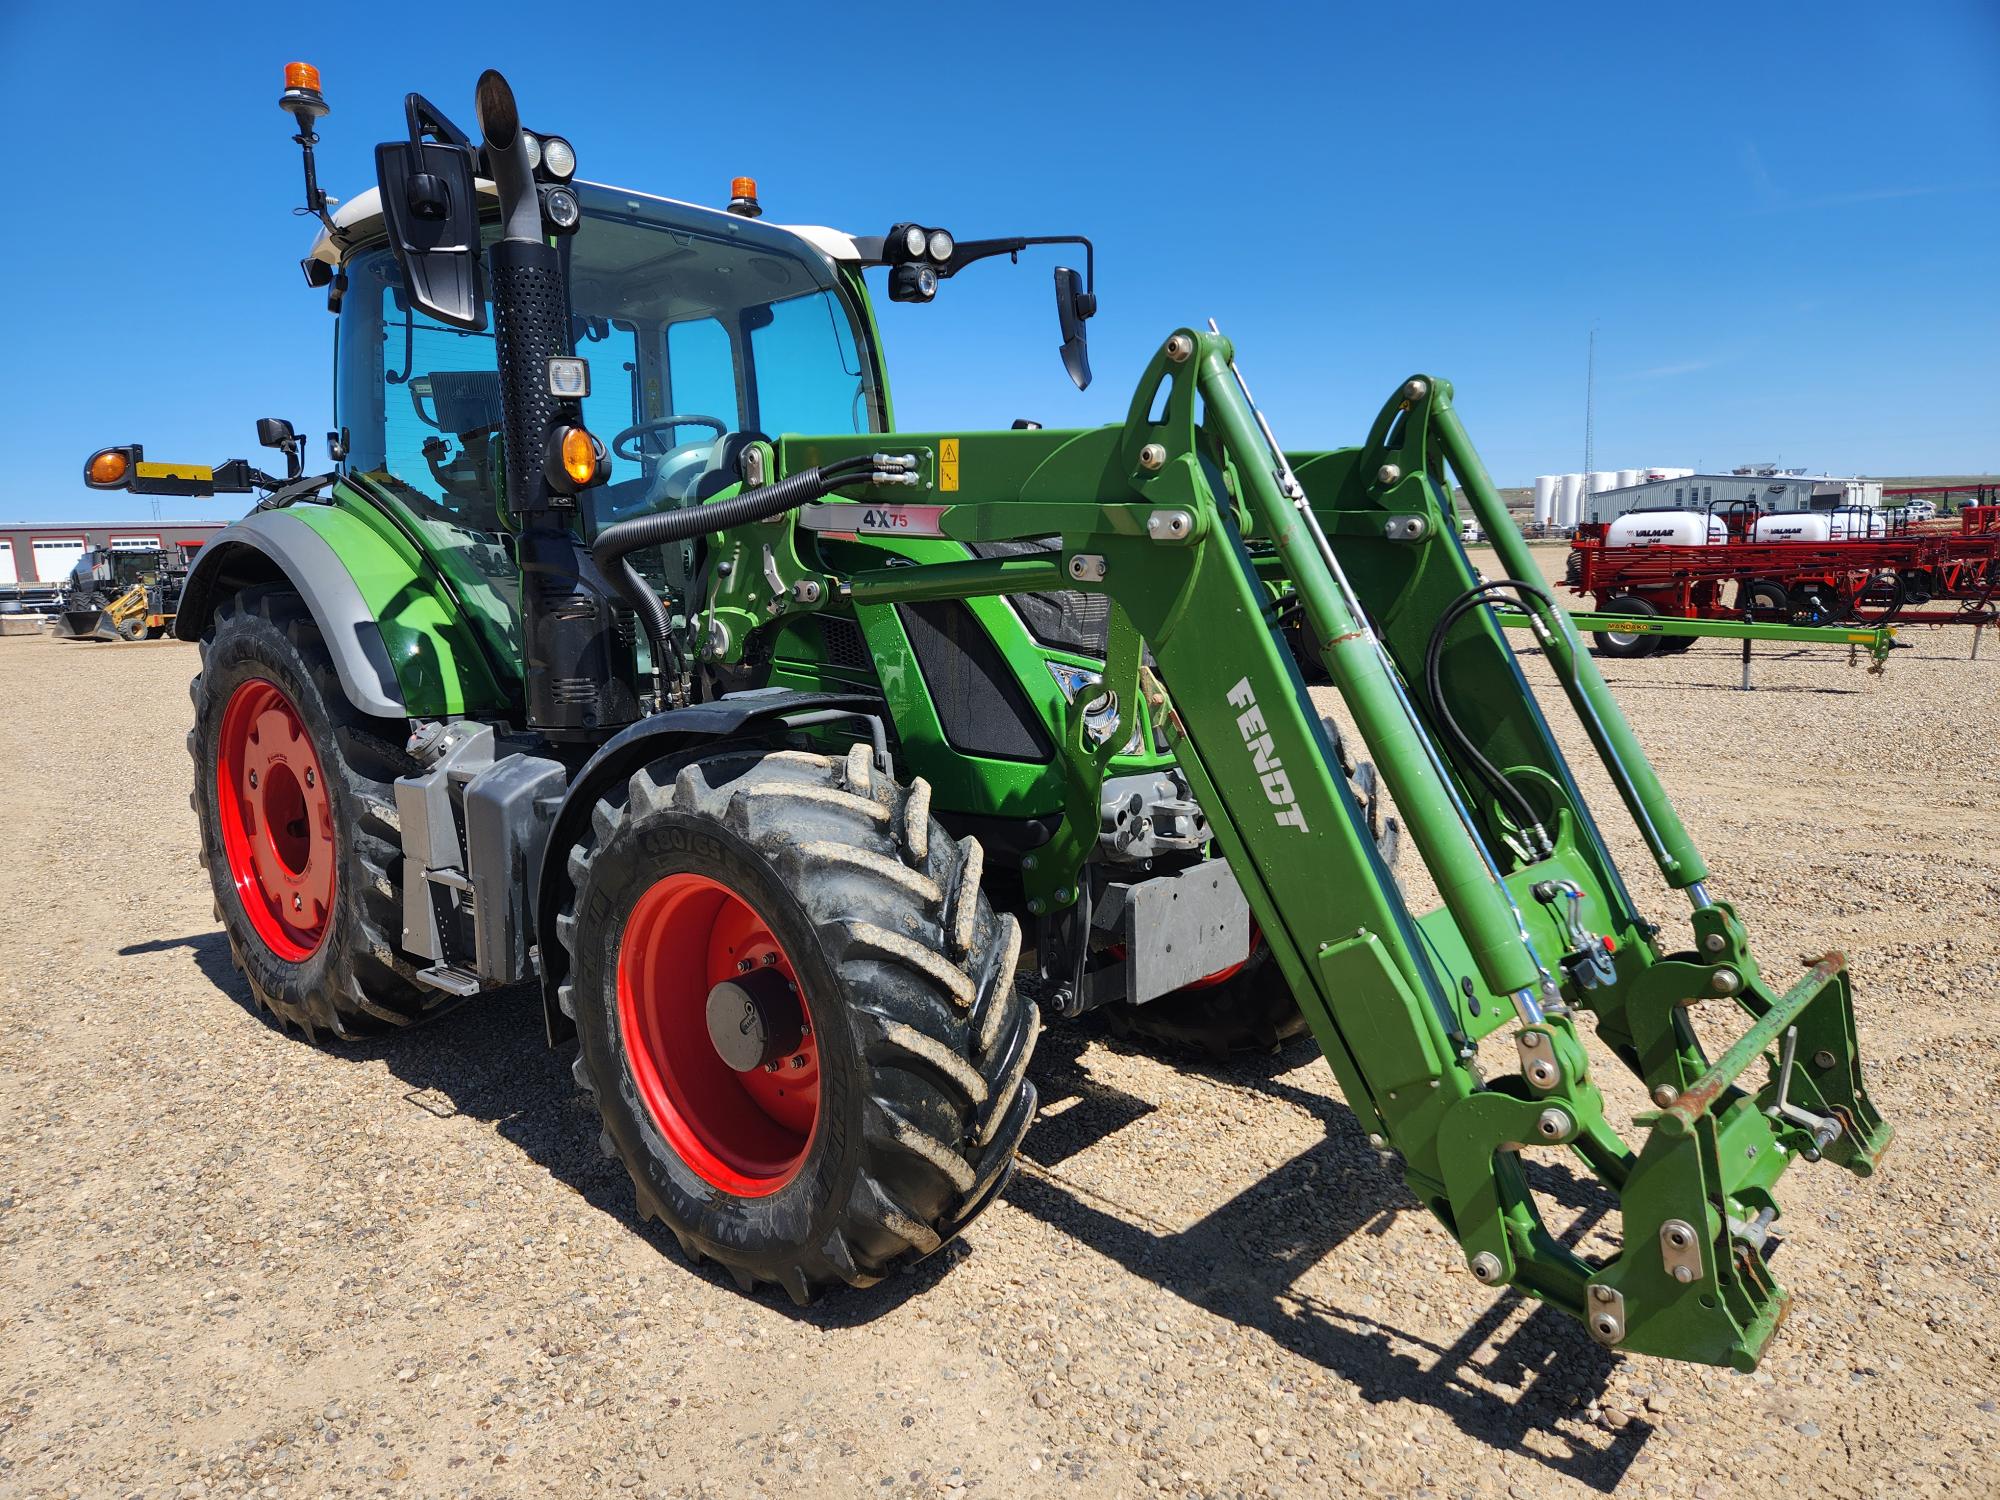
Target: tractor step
(451, 980)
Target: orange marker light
(579, 456)
(743, 198)
(301, 75)
(107, 467)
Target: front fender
(697, 729)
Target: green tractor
(808, 763)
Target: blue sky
(1783, 220)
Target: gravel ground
(236, 1263)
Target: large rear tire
(884, 1090)
(293, 790)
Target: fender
(267, 545)
(399, 643)
(746, 718)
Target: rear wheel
(132, 628)
(796, 1014)
(1624, 645)
(293, 791)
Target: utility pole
(1590, 413)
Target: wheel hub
(754, 1020)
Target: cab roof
(361, 217)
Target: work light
(559, 158)
(941, 245)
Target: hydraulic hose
(1492, 775)
(616, 542)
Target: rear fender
(701, 729)
(274, 547)
(407, 654)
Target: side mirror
(276, 432)
(432, 211)
(1073, 306)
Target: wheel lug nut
(253, 781)
(770, 958)
(298, 903)
(311, 779)
(744, 966)
(799, 1061)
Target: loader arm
(1195, 525)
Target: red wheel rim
(277, 820)
(745, 1133)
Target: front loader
(810, 763)
(115, 595)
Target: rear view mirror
(1073, 306)
(431, 208)
(276, 432)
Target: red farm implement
(1924, 573)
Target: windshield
(695, 325)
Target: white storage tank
(1628, 477)
(1545, 498)
(1595, 483)
(1665, 528)
(1569, 500)
(1820, 526)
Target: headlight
(534, 150)
(913, 240)
(559, 157)
(941, 245)
(563, 211)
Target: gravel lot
(239, 1264)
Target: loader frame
(1202, 532)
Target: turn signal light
(107, 468)
(575, 460)
(579, 456)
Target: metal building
(1762, 485)
(36, 557)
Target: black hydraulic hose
(1492, 775)
(616, 542)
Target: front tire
(293, 790)
(885, 1091)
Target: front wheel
(796, 1014)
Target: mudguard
(396, 636)
(698, 727)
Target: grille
(1063, 618)
(842, 644)
(980, 706)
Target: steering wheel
(637, 430)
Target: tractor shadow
(1517, 1380)
(489, 1060)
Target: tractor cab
(696, 326)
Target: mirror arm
(969, 251)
